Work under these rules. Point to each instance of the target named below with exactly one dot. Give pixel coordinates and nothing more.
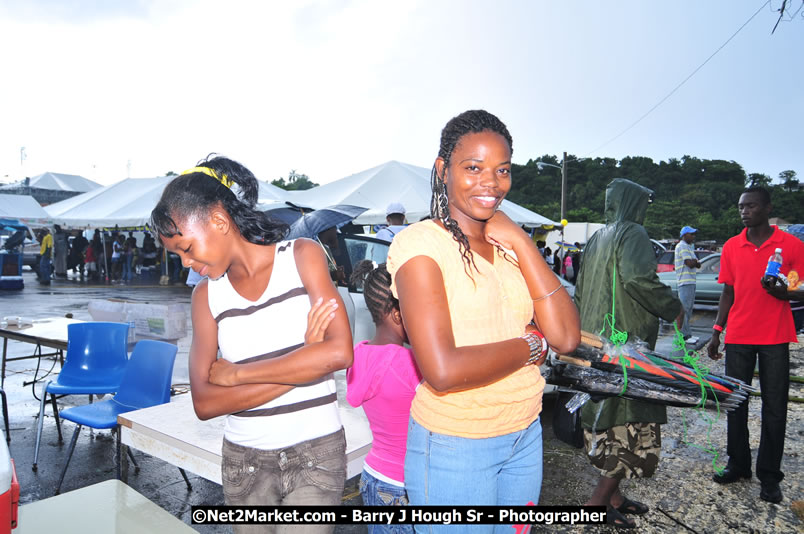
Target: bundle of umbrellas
(634, 372)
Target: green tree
(295, 182)
(789, 180)
(757, 178)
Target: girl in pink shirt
(383, 379)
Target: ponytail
(216, 180)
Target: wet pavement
(682, 483)
(93, 460)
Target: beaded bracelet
(537, 345)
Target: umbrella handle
(330, 259)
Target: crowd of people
(465, 308)
(113, 256)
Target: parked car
(666, 261)
(658, 248)
(707, 289)
(362, 247)
(30, 248)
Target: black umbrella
(313, 223)
(287, 212)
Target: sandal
(618, 520)
(632, 507)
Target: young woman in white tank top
(281, 331)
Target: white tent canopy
(127, 203)
(23, 208)
(59, 182)
(377, 187)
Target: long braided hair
(194, 193)
(473, 121)
(376, 282)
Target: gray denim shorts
(309, 473)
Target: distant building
(50, 187)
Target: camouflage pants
(628, 451)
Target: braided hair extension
(473, 121)
(195, 193)
(376, 283)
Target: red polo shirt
(756, 318)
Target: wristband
(717, 328)
(537, 345)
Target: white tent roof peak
(61, 182)
(22, 207)
(126, 203)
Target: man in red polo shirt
(760, 324)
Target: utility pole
(563, 193)
(564, 186)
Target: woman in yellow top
(469, 284)
(45, 257)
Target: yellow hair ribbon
(225, 180)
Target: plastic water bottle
(771, 276)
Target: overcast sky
(109, 89)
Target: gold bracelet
(549, 294)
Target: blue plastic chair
(96, 359)
(146, 383)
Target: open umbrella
(313, 223)
(569, 247)
(287, 212)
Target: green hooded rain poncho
(640, 298)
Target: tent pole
(105, 257)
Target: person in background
(45, 255)
(567, 270)
(467, 304)
(60, 252)
(270, 308)
(557, 261)
(541, 246)
(686, 266)
(395, 216)
(548, 256)
(760, 327)
(623, 437)
(98, 253)
(576, 262)
(128, 255)
(78, 249)
(383, 379)
(149, 251)
(118, 242)
(91, 260)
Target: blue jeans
(44, 268)
(376, 492)
(127, 272)
(450, 470)
(686, 294)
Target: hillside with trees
(689, 191)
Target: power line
(677, 87)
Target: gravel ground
(682, 495)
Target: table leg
(122, 458)
(3, 373)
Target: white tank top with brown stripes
(266, 328)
